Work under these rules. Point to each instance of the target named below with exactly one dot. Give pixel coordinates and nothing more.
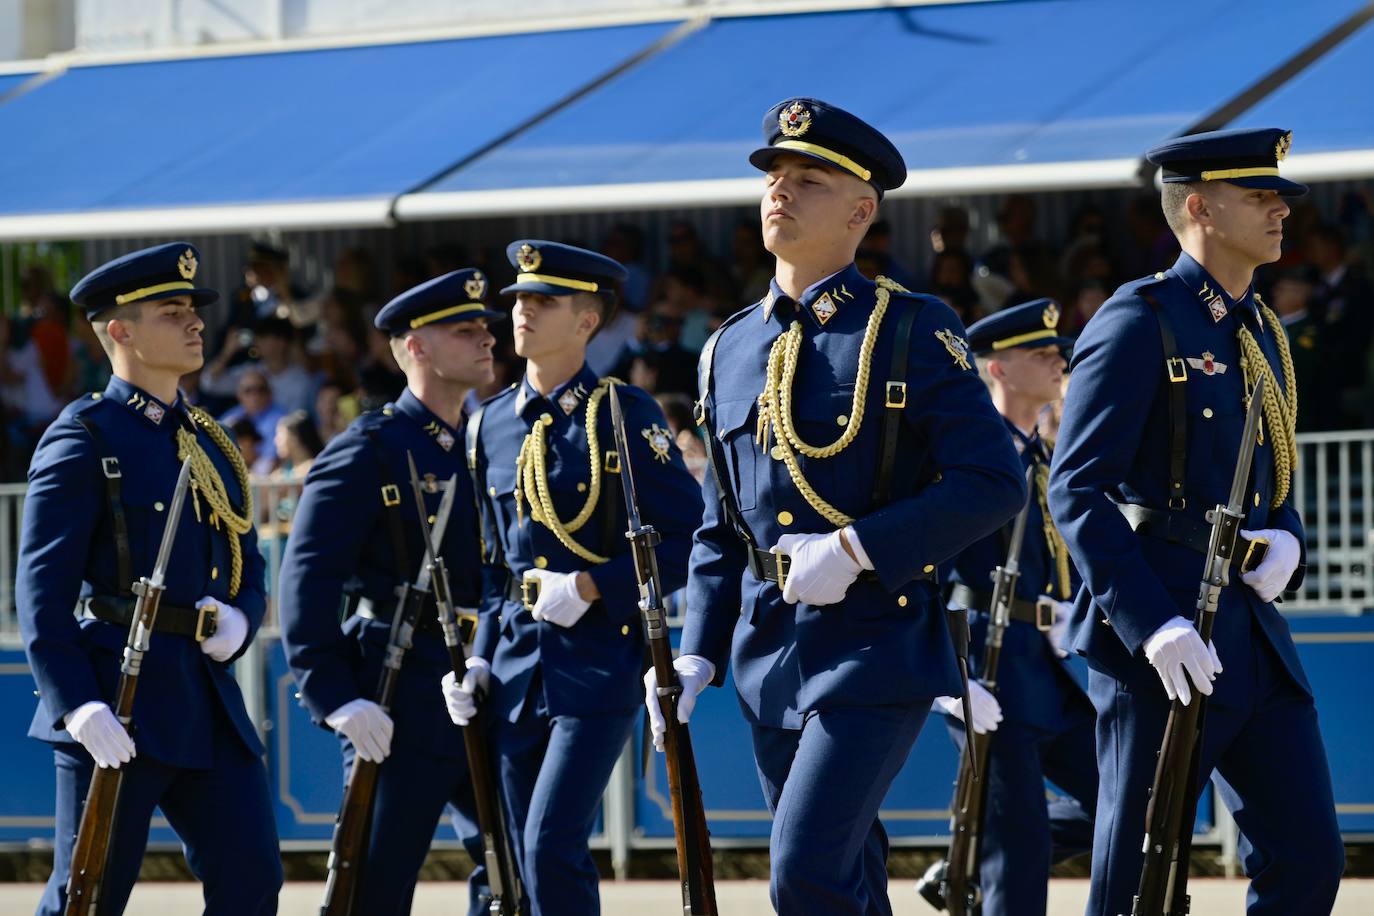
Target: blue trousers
(414, 788)
(223, 816)
(1023, 833)
(1271, 772)
(554, 770)
(824, 785)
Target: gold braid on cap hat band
(207, 484)
(775, 403)
(532, 477)
(829, 155)
(1280, 404)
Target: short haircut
(603, 300)
(100, 324)
(1173, 200)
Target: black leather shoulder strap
(486, 509)
(109, 467)
(1176, 372)
(391, 506)
(894, 391)
(714, 458)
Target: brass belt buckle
(784, 564)
(1044, 613)
(1254, 554)
(207, 622)
(529, 591)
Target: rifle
(1169, 817)
(91, 852)
(689, 816)
(353, 826)
(953, 884)
(503, 876)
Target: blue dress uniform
(1047, 725)
(1114, 451)
(110, 461)
(343, 550)
(836, 695)
(564, 700)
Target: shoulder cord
(1280, 404)
(207, 484)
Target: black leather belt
(524, 592)
(368, 609)
(197, 623)
(1040, 614)
(1177, 528)
(773, 567)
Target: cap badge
(1281, 148)
(186, 264)
(430, 483)
(824, 307)
(476, 286)
(528, 258)
(794, 120)
(660, 440)
(1051, 316)
(1208, 364)
(956, 346)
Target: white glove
(1059, 630)
(95, 728)
(461, 699)
(821, 570)
(366, 725)
(694, 673)
(987, 712)
(559, 603)
(1176, 648)
(231, 628)
(1269, 578)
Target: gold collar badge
(1051, 316)
(794, 120)
(956, 346)
(1281, 148)
(659, 440)
(824, 308)
(186, 264)
(528, 258)
(569, 399)
(476, 287)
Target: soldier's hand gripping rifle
(91, 852)
(1169, 816)
(503, 876)
(353, 826)
(693, 841)
(953, 884)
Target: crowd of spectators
(288, 367)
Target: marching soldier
(1152, 426)
(853, 450)
(99, 486)
(1041, 714)
(561, 645)
(354, 540)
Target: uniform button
(97, 396)
(625, 630)
(842, 420)
(776, 452)
(491, 490)
(784, 517)
(214, 572)
(1207, 412)
(582, 488)
(1159, 276)
(158, 507)
(431, 520)
(939, 477)
(901, 601)
(546, 419)
(928, 568)
(387, 411)
(541, 562)
(1256, 500)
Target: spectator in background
(1313, 374)
(950, 274)
(331, 414)
(267, 290)
(249, 440)
(1019, 266)
(662, 359)
(1343, 304)
(273, 351)
(677, 409)
(1087, 298)
(380, 380)
(340, 338)
(90, 368)
(625, 243)
(685, 249)
(751, 265)
(297, 443)
(406, 273)
(1151, 246)
(355, 270)
(877, 245)
(256, 405)
(951, 231)
(684, 288)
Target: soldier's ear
(1197, 207)
(865, 209)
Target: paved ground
(1211, 896)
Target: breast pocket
(821, 419)
(735, 420)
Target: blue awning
(9, 82)
(979, 97)
(318, 137)
(1329, 108)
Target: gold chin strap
(532, 477)
(775, 403)
(1280, 404)
(1059, 551)
(208, 485)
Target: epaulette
(1130, 287)
(84, 404)
(509, 389)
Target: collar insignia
(186, 264)
(1214, 302)
(1281, 148)
(136, 401)
(528, 258)
(956, 346)
(1051, 316)
(445, 440)
(794, 120)
(660, 440)
(842, 293)
(1207, 364)
(476, 287)
(768, 301)
(154, 411)
(569, 399)
(824, 307)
